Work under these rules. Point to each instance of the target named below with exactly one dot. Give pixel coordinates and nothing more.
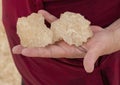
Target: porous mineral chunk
(33, 32)
(73, 28)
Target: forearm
(115, 28)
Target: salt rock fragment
(73, 28)
(33, 32)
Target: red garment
(40, 71)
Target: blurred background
(8, 72)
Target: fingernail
(41, 11)
(89, 69)
(16, 50)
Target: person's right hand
(57, 50)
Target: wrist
(117, 37)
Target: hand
(57, 50)
(102, 43)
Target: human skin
(103, 42)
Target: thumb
(90, 59)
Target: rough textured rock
(73, 28)
(33, 32)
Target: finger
(46, 52)
(72, 50)
(96, 28)
(35, 52)
(17, 49)
(83, 49)
(52, 51)
(90, 59)
(49, 17)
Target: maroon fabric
(40, 71)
